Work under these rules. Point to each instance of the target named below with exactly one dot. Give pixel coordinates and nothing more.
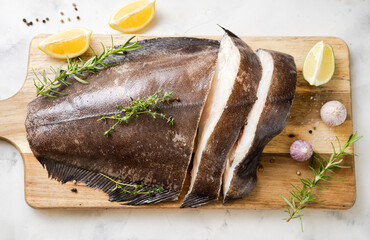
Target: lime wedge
(319, 65)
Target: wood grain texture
(276, 168)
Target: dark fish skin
(67, 139)
(272, 122)
(208, 180)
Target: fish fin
(246, 177)
(65, 173)
(247, 189)
(194, 200)
(249, 167)
(164, 196)
(227, 200)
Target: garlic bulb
(333, 113)
(301, 150)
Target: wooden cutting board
(276, 169)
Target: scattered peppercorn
(310, 131)
(43, 21)
(314, 128)
(74, 4)
(47, 19)
(181, 146)
(24, 20)
(37, 19)
(61, 20)
(78, 17)
(291, 135)
(69, 19)
(62, 13)
(76, 9)
(74, 190)
(31, 23)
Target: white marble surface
(349, 20)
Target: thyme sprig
(300, 196)
(138, 188)
(141, 106)
(77, 69)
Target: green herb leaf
(302, 195)
(141, 106)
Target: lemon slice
(69, 43)
(319, 65)
(133, 16)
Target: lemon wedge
(133, 16)
(69, 43)
(319, 65)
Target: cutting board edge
(35, 205)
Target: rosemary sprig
(138, 189)
(302, 195)
(141, 106)
(76, 68)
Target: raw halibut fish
(266, 120)
(65, 136)
(231, 98)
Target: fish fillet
(267, 119)
(231, 98)
(66, 138)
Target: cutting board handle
(12, 115)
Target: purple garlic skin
(333, 113)
(301, 150)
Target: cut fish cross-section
(232, 95)
(266, 120)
